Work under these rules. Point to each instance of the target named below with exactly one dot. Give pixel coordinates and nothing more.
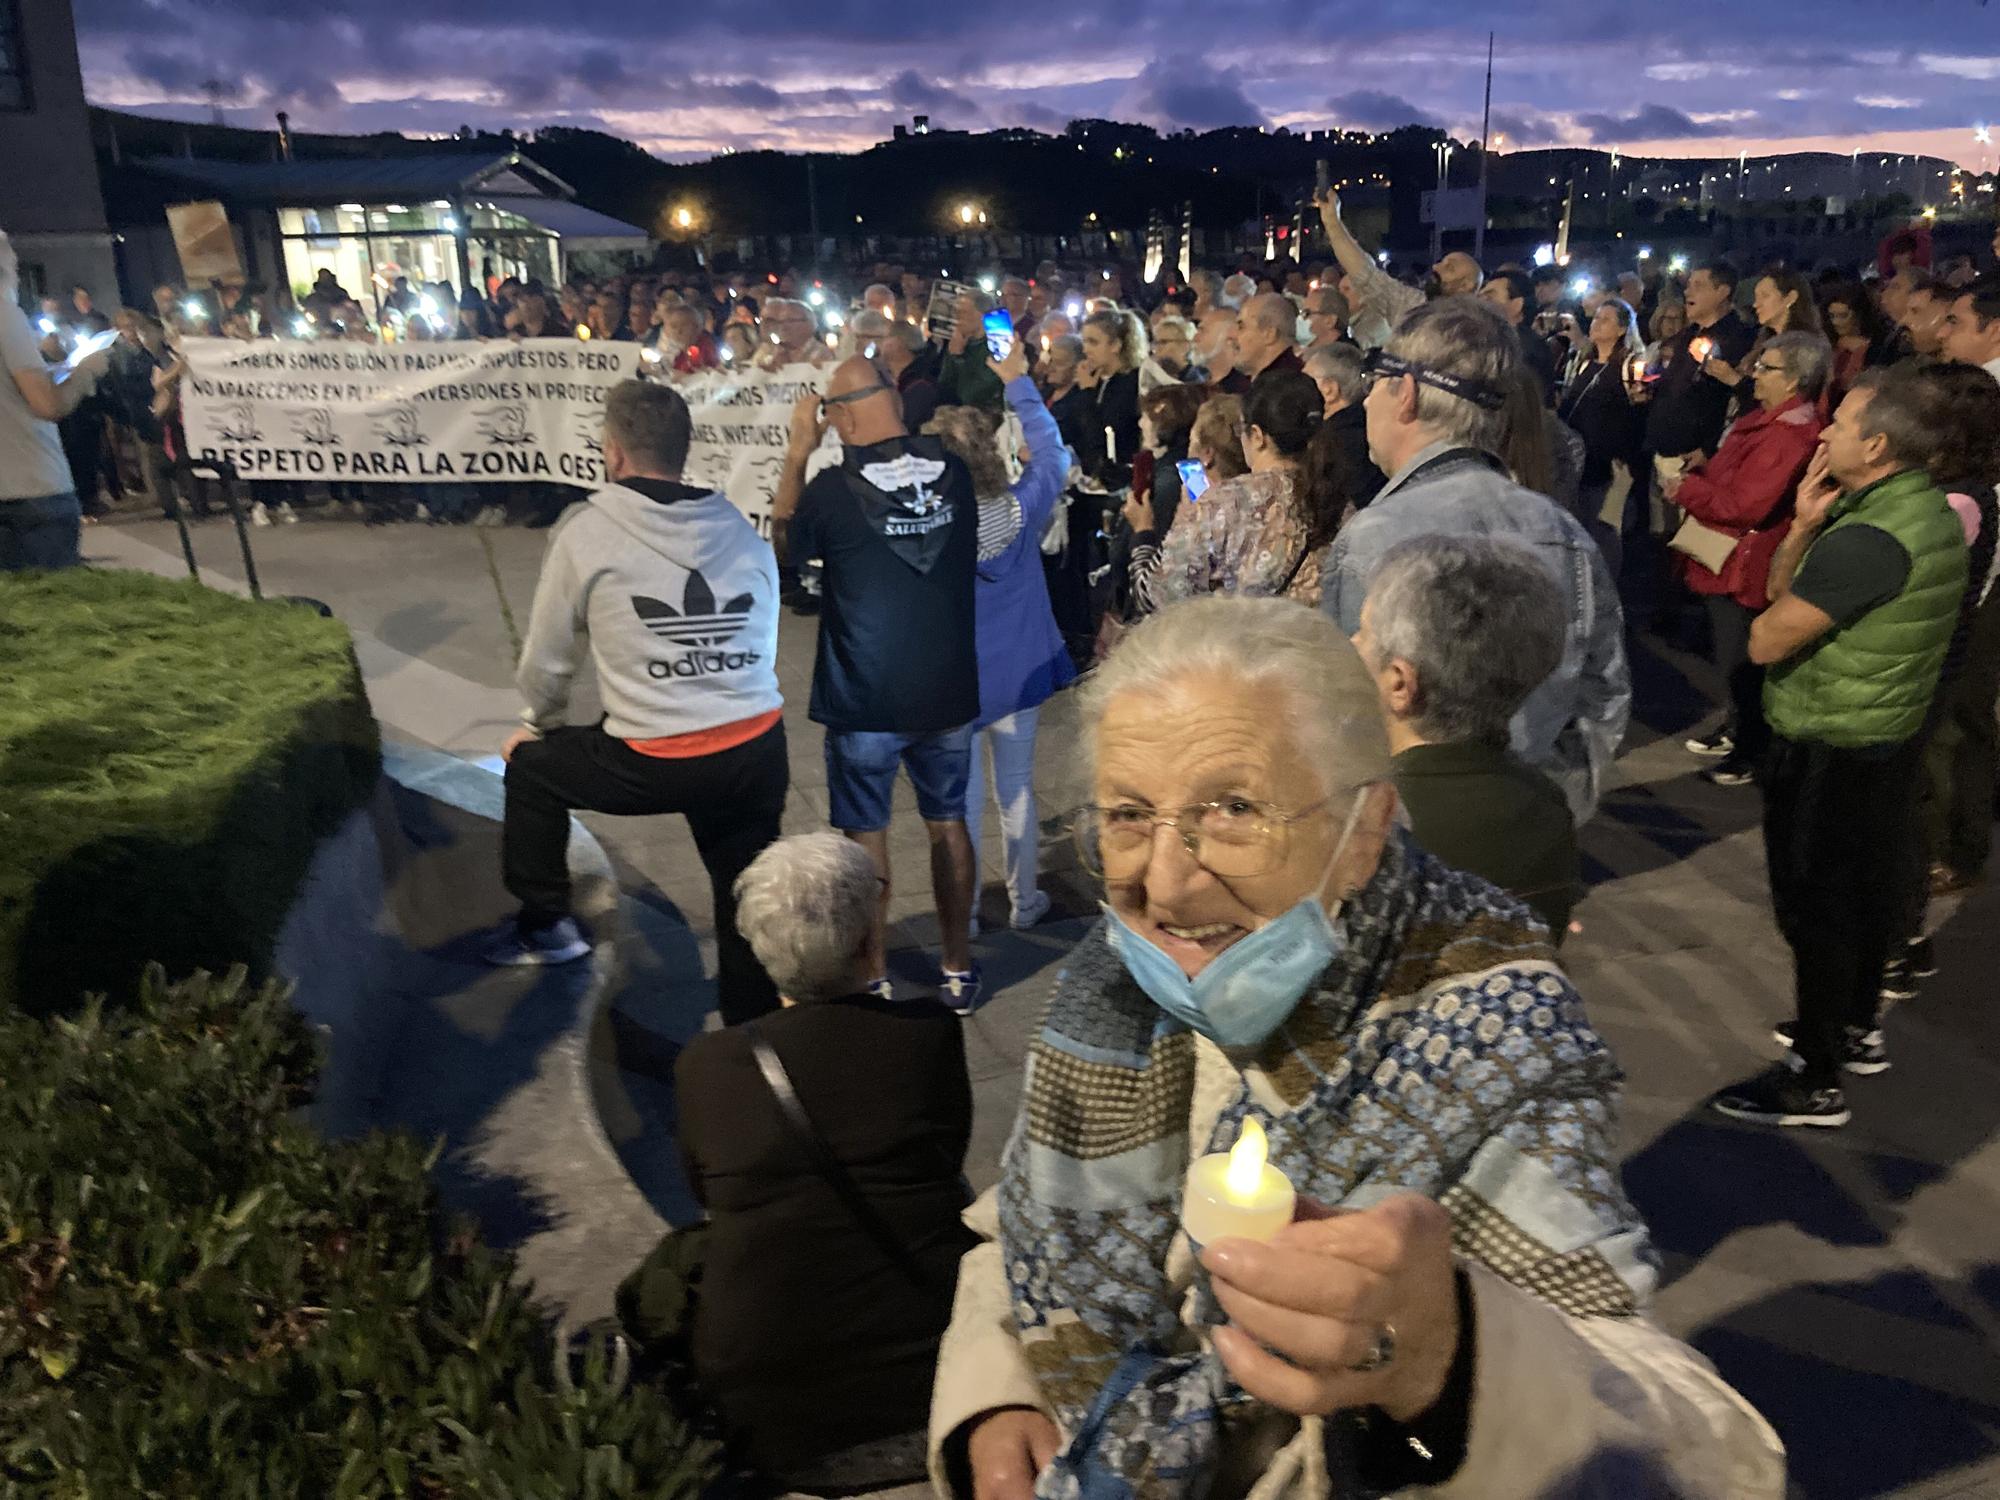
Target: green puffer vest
(1870, 682)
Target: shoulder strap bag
(806, 1135)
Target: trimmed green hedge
(200, 1297)
(169, 757)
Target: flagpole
(1485, 150)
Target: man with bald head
(1458, 275)
(1374, 294)
(1265, 340)
(896, 680)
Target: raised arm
(1378, 292)
(808, 428)
(54, 394)
(1047, 469)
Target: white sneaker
(286, 514)
(1030, 911)
(259, 516)
(423, 513)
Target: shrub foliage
(201, 1297)
(169, 757)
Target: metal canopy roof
(369, 180)
(578, 228)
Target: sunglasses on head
(1380, 364)
(861, 393)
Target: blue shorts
(861, 775)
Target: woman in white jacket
(1459, 1306)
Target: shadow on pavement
(469, 1035)
(1874, 1385)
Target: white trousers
(1005, 750)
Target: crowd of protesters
(1322, 543)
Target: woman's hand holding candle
(1312, 1304)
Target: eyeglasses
(1763, 367)
(1378, 363)
(1236, 838)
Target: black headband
(1378, 362)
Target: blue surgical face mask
(1256, 982)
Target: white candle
(1111, 444)
(1237, 1194)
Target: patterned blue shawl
(1443, 1051)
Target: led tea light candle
(1237, 1193)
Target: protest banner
(742, 426)
(531, 410)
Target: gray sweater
(678, 600)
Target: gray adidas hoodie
(679, 603)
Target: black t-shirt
(897, 530)
(1851, 570)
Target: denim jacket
(1571, 725)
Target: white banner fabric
(474, 411)
(742, 427)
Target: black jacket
(1112, 404)
(1350, 425)
(1596, 405)
(1537, 355)
(1689, 408)
(807, 1338)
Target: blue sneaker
(882, 989)
(963, 993)
(561, 942)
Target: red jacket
(1746, 490)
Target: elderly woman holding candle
(1456, 1303)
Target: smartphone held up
(999, 325)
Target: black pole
(812, 209)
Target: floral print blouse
(1243, 537)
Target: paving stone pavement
(1849, 1283)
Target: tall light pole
(1485, 150)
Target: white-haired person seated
(1457, 631)
(815, 1326)
(1274, 950)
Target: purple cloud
(1371, 109)
(1650, 122)
(1174, 93)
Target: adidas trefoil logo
(698, 622)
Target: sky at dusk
(687, 79)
